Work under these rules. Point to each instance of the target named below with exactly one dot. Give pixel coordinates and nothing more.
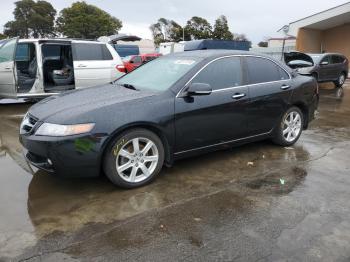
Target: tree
(198, 28)
(166, 30)
(32, 19)
(263, 44)
(221, 30)
(2, 36)
(82, 20)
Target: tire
(283, 137)
(341, 80)
(128, 168)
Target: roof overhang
(327, 19)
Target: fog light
(49, 161)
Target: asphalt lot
(258, 202)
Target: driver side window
(222, 73)
(7, 51)
(326, 59)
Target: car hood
(84, 100)
(298, 60)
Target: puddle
(279, 183)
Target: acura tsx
(173, 107)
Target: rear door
(337, 63)
(8, 86)
(270, 89)
(93, 64)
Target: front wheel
(290, 127)
(134, 158)
(341, 80)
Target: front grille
(28, 124)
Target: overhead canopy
(327, 19)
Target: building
(327, 31)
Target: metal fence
(275, 52)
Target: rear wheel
(341, 80)
(134, 158)
(290, 127)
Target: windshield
(316, 58)
(127, 58)
(160, 74)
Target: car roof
(33, 40)
(324, 54)
(213, 53)
(210, 54)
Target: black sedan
(174, 107)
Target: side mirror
(131, 61)
(324, 63)
(199, 89)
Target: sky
(257, 19)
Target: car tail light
(121, 68)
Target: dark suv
(326, 67)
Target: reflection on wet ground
(253, 202)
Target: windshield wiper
(129, 86)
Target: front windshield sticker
(184, 62)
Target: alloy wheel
(341, 79)
(137, 159)
(291, 126)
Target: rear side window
(87, 52)
(150, 58)
(223, 73)
(336, 59)
(261, 70)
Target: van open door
(8, 83)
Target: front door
(93, 64)
(7, 69)
(216, 118)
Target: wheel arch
(144, 125)
(305, 110)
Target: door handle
(8, 68)
(285, 87)
(81, 65)
(238, 96)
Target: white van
(34, 68)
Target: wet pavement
(258, 202)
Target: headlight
(47, 129)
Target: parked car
(177, 106)
(34, 68)
(326, 67)
(134, 61)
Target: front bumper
(75, 156)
